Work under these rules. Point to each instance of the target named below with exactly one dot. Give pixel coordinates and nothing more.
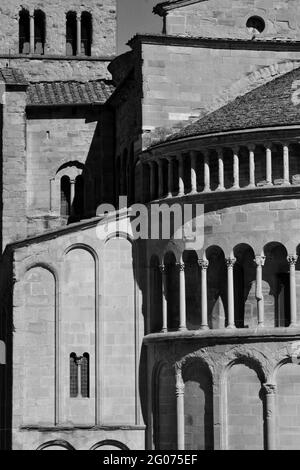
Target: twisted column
(230, 286)
(203, 263)
(292, 260)
(260, 262)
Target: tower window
(86, 33)
(24, 32)
(85, 375)
(256, 24)
(79, 375)
(39, 32)
(65, 196)
(73, 376)
(71, 33)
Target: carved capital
(292, 260)
(181, 266)
(203, 263)
(269, 389)
(162, 268)
(230, 262)
(260, 260)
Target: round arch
(110, 442)
(56, 443)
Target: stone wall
(104, 24)
(65, 285)
(218, 18)
(182, 83)
(56, 138)
(253, 397)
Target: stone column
(236, 168)
(170, 177)
(270, 413)
(292, 260)
(180, 411)
(260, 262)
(206, 171)
(269, 163)
(221, 186)
(180, 175)
(160, 179)
(72, 195)
(32, 33)
(182, 299)
(203, 263)
(230, 286)
(78, 18)
(164, 298)
(286, 164)
(193, 172)
(251, 166)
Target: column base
(231, 327)
(204, 327)
(251, 186)
(220, 188)
(235, 188)
(293, 325)
(164, 330)
(182, 328)
(180, 195)
(260, 325)
(193, 192)
(207, 190)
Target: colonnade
(178, 188)
(230, 263)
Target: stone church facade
(107, 341)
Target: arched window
(78, 204)
(24, 32)
(65, 196)
(39, 32)
(71, 33)
(85, 376)
(73, 376)
(80, 367)
(86, 33)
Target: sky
(135, 16)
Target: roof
(160, 8)
(276, 103)
(12, 76)
(69, 92)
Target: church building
(109, 341)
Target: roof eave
(162, 9)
